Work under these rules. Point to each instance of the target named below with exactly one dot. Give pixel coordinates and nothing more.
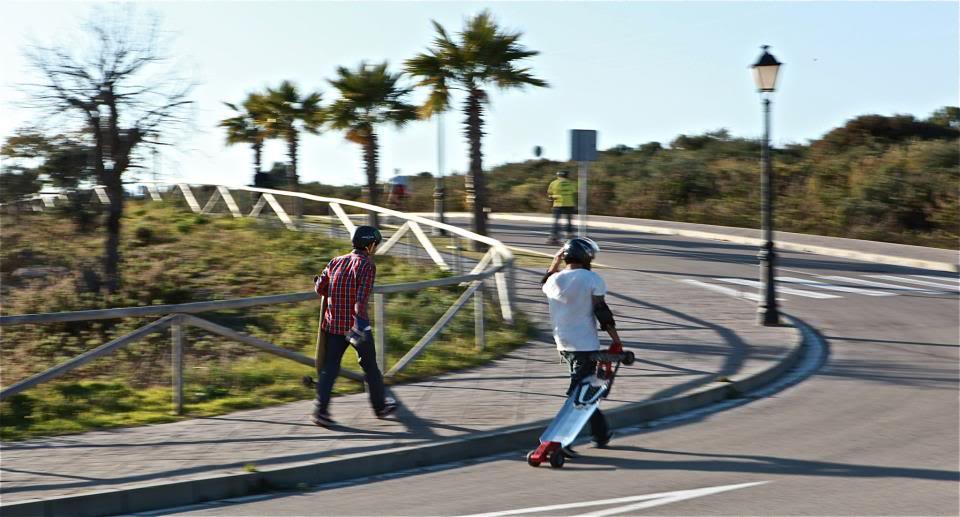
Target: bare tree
(118, 85)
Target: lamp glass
(765, 76)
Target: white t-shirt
(570, 293)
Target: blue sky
(634, 71)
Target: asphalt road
(874, 431)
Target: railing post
(478, 330)
(176, 331)
(512, 282)
(410, 250)
(457, 257)
(331, 215)
(379, 334)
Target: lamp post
(438, 189)
(765, 75)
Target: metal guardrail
(496, 263)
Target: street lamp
(438, 193)
(765, 75)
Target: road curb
(748, 241)
(159, 495)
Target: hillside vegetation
(890, 179)
(174, 256)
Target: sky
(634, 71)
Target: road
(874, 431)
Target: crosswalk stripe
(785, 290)
(725, 290)
(915, 281)
(831, 287)
(876, 284)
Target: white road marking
(831, 287)
(721, 289)
(952, 282)
(648, 501)
(876, 284)
(785, 290)
(915, 281)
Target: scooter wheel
(557, 459)
(628, 358)
(530, 461)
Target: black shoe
(603, 442)
(390, 405)
(308, 381)
(322, 419)
(569, 452)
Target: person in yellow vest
(562, 191)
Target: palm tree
(284, 113)
(369, 96)
(484, 56)
(243, 128)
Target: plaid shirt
(346, 282)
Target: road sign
(583, 145)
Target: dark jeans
(333, 354)
(557, 212)
(582, 366)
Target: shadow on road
(758, 464)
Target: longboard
(321, 347)
(576, 411)
(579, 407)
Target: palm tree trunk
(476, 195)
(292, 144)
(373, 186)
(257, 157)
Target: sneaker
(308, 382)
(322, 419)
(602, 443)
(389, 406)
(569, 452)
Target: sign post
(583, 149)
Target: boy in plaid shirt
(346, 283)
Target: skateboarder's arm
(322, 281)
(605, 317)
(555, 266)
(365, 279)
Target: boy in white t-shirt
(575, 294)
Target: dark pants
(557, 212)
(582, 366)
(333, 354)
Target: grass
(173, 256)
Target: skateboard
(579, 407)
(307, 380)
